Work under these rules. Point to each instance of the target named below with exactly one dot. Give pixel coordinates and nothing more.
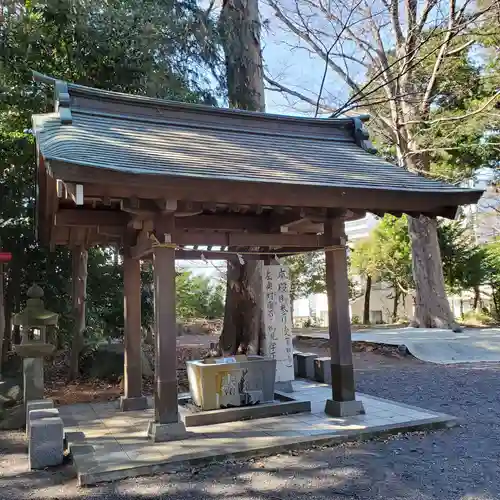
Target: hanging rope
(157, 244)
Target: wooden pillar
(2, 318)
(79, 285)
(343, 402)
(166, 426)
(133, 398)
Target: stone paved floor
(472, 345)
(109, 445)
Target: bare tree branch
(209, 9)
(460, 49)
(307, 38)
(457, 118)
(282, 88)
(337, 38)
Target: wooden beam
(115, 232)
(247, 239)
(223, 222)
(101, 182)
(150, 207)
(166, 205)
(143, 247)
(206, 255)
(84, 217)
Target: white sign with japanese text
(278, 320)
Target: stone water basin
(240, 380)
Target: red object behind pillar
(5, 257)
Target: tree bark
(242, 331)
(12, 303)
(7, 331)
(395, 305)
(432, 309)
(240, 31)
(366, 307)
(239, 25)
(477, 299)
(80, 257)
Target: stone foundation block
(295, 363)
(344, 408)
(38, 404)
(45, 448)
(38, 415)
(285, 386)
(305, 365)
(159, 433)
(133, 404)
(323, 370)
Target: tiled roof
(148, 136)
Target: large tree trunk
(366, 306)
(395, 305)
(432, 309)
(477, 299)
(80, 257)
(240, 30)
(242, 331)
(12, 304)
(7, 334)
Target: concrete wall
(381, 306)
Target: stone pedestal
(38, 415)
(33, 379)
(40, 404)
(344, 408)
(133, 404)
(323, 370)
(160, 433)
(46, 443)
(305, 364)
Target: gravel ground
(461, 463)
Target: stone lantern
(34, 320)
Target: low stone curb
(88, 477)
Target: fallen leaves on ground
(94, 390)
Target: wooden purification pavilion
(162, 178)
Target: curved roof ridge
(93, 92)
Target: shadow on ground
(457, 464)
